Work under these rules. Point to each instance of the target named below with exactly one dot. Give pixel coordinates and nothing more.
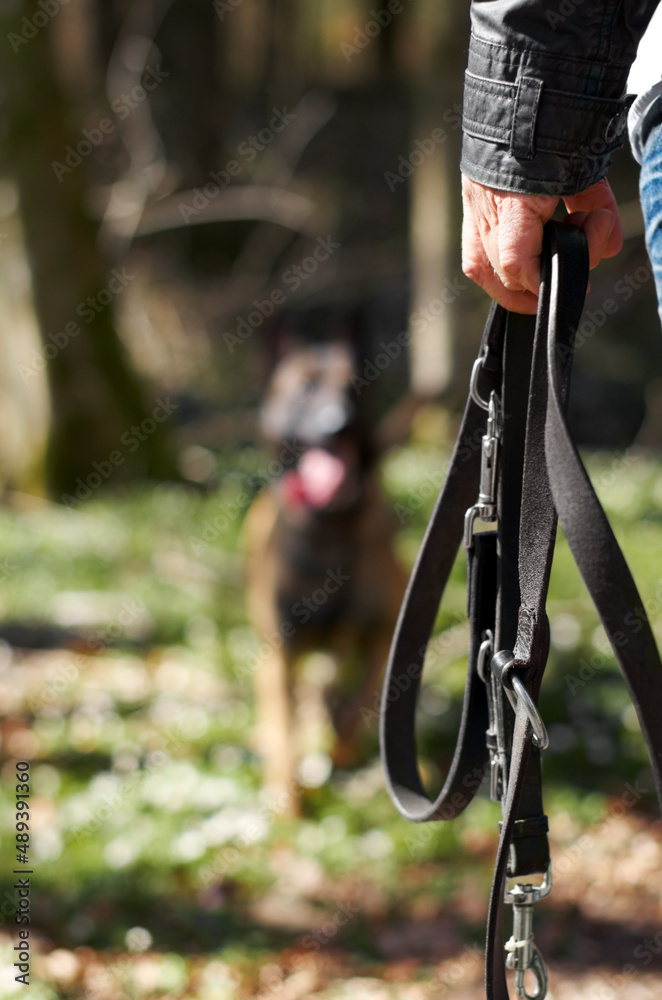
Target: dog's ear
(281, 339)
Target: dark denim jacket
(544, 101)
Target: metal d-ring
(484, 653)
(473, 385)
(540, 736)
(515, 690)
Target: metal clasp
(522, 954)
(485, 654)
(496, 734)
(486, 508)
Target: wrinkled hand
(502, 237)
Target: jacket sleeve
(544, 97)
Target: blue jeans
(650, 186)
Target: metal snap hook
(538, 969)
(522, 955)
(486, 506)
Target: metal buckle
(522, 954)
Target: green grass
(149, 791)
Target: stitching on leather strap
(533, 826)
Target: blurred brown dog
(322, 575)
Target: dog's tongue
(317, 479)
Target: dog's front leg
(274, 711)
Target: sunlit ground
(159, 869)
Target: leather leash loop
(417, 615)
(515, 471)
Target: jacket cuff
(539, 136)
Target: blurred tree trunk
(442, 300)
(24, 401)
(187, 105)
(242, 48)
(96, 397)
(386, 48)
(283, 83)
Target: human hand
(502, 237)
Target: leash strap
(525, 470)
(417, 616)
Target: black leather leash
(522, 465)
